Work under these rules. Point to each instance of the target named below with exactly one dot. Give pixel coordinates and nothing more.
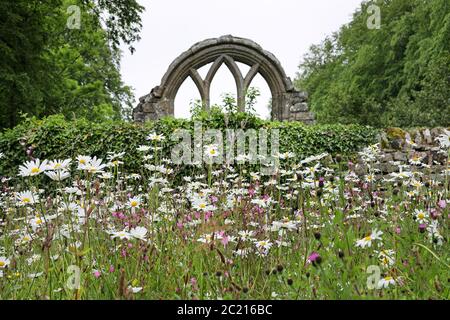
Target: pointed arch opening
(231, 51)
(186, 96)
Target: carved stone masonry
(288, 104)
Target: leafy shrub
(56, 138)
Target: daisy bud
(317, 235)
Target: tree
(48, 68)
(396, 75)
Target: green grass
(171, 263)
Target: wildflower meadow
(86, 228)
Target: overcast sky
(284, 27)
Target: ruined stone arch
(287, 103)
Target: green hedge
(56, 138)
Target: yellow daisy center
(421, 215)
(35, 170)
(368, 238)
(202, 205)
(2, 264)
(26, 200)
(134, 203)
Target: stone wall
(402, 146)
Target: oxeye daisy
(416, 184)
(93, 166)
(416, 160)
(286, 155)
(134, 202)
(113, 155)
(143, 148)
(385, 282)
(32, 168)
(138, 233)
(83, 161)
(212, 151)
(59, 175)
(155, 137)
(59, 165)
(387, 258)
(263, 245)
(311, 171)
(421, 215)
(4, 262)
(370, 178)
(121, 235)
(201, 204)
(246, 235)
(36, 223)
(26, 198)
(367, 241)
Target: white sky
(284, 27)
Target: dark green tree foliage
(398, 75)
(48, 68)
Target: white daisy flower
(32, 168)
(4, 262)
(386, 282)
(367, 241)
(138, 233)
(26, 198)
